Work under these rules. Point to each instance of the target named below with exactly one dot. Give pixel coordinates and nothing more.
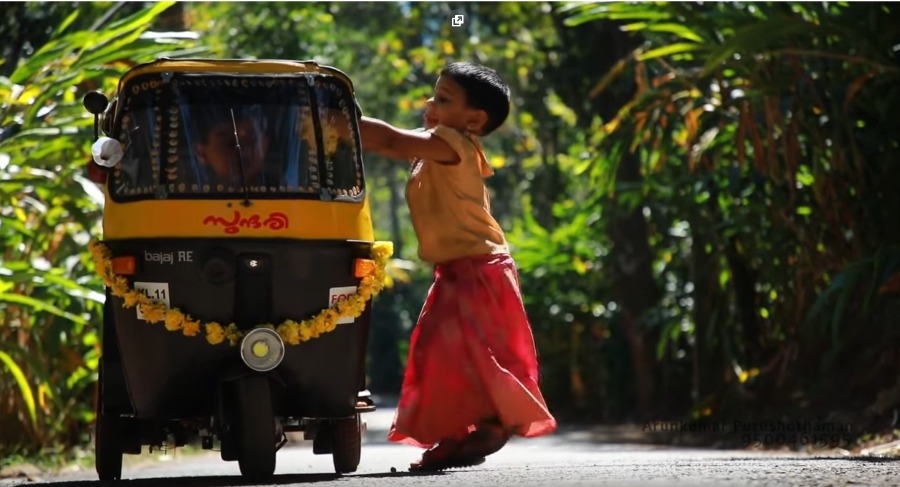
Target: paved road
(563, 459)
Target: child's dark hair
(485, 90)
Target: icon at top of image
(458, 19)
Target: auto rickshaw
(239, 260)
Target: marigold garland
(292, 332)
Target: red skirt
(471, 357)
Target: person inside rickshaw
(217, 149)
(263, 156)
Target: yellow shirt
(449, 204)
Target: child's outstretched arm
(389, 141)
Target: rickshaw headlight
(262, 349)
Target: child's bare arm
(381, 137)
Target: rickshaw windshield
(202, 136)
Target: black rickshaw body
(239, 199)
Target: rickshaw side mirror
(96, 103)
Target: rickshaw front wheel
(108, 447)
(346, 443)
(256, 428)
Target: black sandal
(488, 438)
(447, 454)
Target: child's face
(220, 153)
(448, 107)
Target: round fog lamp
(262, 349)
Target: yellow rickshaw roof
(232, 66)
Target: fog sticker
(338, 294)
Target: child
(472, 376)
(216, 149)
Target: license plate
(157, 291)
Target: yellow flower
(350, 308)
(153, 313)
(382, 250)
(233, 334)
(215, 334)
(131, 299)
(120, 282)
(191, 328)
(305, 333)
(332, 314)
(289, 332)
(174, 320)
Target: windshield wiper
(237, 142)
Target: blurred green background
(702, 198)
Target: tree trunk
(636, 290)
(743, 279)
(704, 271)
(588, 52)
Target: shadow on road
(232, 480)
(640, 436)
(204, 481)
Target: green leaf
(615, 11)
(755, 37)
(66, 23)
(677, 48)
(805, 177)
(844, 286)
(678, 29)
(878, 267)
(137, 21)
(22, 382)
(38, 305)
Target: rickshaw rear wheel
(108, 447)
(256, 428)
(346, 443)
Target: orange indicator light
(124, 265)
(363, 267)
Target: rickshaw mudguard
(174, 376)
